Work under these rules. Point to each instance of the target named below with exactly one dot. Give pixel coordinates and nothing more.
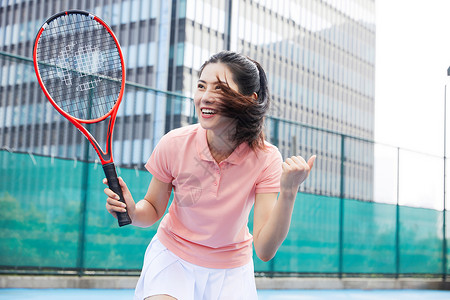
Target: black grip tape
(113, 183)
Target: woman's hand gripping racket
(80, 68)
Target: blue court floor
(98, 294)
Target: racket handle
(113, 183)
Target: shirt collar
(205, 154)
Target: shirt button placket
(216, 182)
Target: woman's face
(206, 97)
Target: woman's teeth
(207, 111)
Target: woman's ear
(255, 96)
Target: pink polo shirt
(207, 221)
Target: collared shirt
(207, 221)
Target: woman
(218, 169)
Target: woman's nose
(207, 97)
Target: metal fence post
(83, 202)
(275, 139)
(397, 220)
(444, 239)
(341, 208)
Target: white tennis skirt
(164, 273)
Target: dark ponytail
(263, 91)
(241, 105)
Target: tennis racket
(80, 68)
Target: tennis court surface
(100, 294)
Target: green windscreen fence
(53, 219)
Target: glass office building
(319, 56)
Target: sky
(412, 58)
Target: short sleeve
(269, 180)
(159, 163)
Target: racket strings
(80, 66)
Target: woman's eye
(218, 87)
(200, 86)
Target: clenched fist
(295, 171)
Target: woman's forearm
(145, 214)
(275, 230)
(276, 226)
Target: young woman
(218, 169)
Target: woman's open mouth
(208, 112)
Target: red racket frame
(106, 157)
